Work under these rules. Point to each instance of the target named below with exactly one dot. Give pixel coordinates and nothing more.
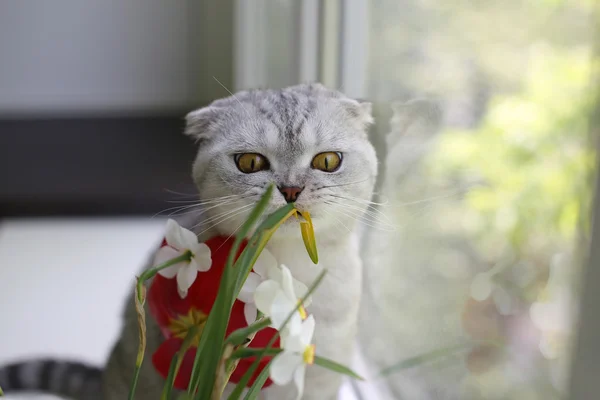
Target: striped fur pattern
(71, 380)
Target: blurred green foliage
(517, 81)
(530, 157)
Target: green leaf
(424, 358)
(239, 336)
(253, 352)
(237, 392)
(339, 368)
(149, 273)
(210, 347)
(1, 392)
(139, 298)
(254, 391)
(257, 243)
(176, 362)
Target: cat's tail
(72, 380)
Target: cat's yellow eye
(251, 162)
(329, 161)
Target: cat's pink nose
(290, 193)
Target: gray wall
(70, 56)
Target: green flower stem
(239, 336)
(1, 392)
(210, 349)
(253, 352)
(226, 367)
(149, 273)
(258, 383)
(336, 367)
(176, 362)
(258, 242)
(140, 298)
(435, 354)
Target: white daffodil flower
(179, 240)
(265, 268)
(297, 353)
(277, 298)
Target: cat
(312, 143)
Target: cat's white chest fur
(334, 306)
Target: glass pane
(483, 212)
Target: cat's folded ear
(201, 122)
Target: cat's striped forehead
(291, 119)
(287, 110)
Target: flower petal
(179, 237)
(283, 367)
(163, 255)
(188, 238)
(250, 311)
(264, 263)
(274, 274)
(265, 294)
(247, 292)
(172, 234)
(185, 278)
(280, 309)
(292, 343)
(299, 380)
(300, 290)
(287, 283)
(307, 331)
(201, 253)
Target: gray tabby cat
(312, 143)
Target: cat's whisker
(355, 199)
(374, 213)
(228, 217)
(343, 184)
(181, 194)
(361, 217)
(362, 211)
(206, 201)
(225, 212)
(371, 224)
(339, 222)
(369, 209)
(179, 209)
(234, 96)
(409, 203)
(218, 215)
(201, 211)
(432, 199)
(230, 236)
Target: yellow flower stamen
(302, 312)
(180, 326)
(309, 354)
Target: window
(481, 224)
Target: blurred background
(477, 243)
